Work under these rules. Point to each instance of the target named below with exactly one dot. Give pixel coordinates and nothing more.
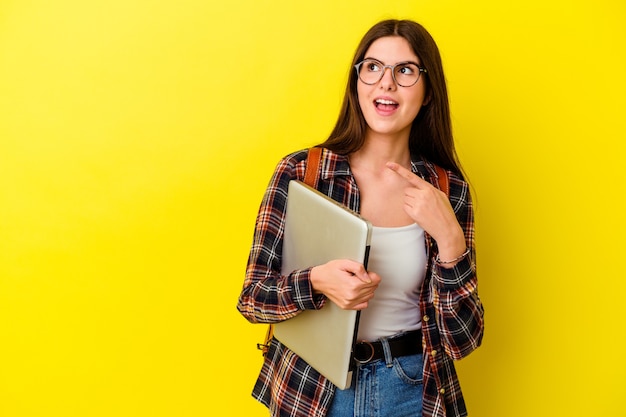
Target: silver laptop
(317, 230)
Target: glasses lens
(370, 71)
(406, 74)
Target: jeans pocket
(410, 369)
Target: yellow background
(136, 139)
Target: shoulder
(458, 186)
(430, 171)
(294, 164)
(290, 166)
(295, 157)
(302, 154)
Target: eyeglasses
(405, 74)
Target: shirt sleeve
(460, 313)
(267, 295)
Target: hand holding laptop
(347, 283)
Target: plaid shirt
(450, 310)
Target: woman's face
(388, 108)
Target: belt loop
(387, 350)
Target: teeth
(381, 101)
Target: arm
(460, 314)
(268, 296)
(454, 292)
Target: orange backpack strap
(443, 180)
(313, 165)
(311, 176)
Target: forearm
(453, 248)
(460, 312)
(268, 297)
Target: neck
(377, 150)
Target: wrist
(451, 251)
(314, 279)
(450, 262)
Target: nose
(387, 82)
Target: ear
(426, 100)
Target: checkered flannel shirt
(450, 309)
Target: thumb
(365, 277)
(361, 273)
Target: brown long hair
(431, 132)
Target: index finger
(407, 175)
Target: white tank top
(398, 255)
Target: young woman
(419, 303)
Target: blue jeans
(389, 387)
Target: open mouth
(385, 105)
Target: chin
(386, 130)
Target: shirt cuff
(455, 277)
(302, 291)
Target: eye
(406, 69)
(372, 66)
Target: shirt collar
(337, 165)
(425, 169)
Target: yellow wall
(136, 139)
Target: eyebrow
(400, 62)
